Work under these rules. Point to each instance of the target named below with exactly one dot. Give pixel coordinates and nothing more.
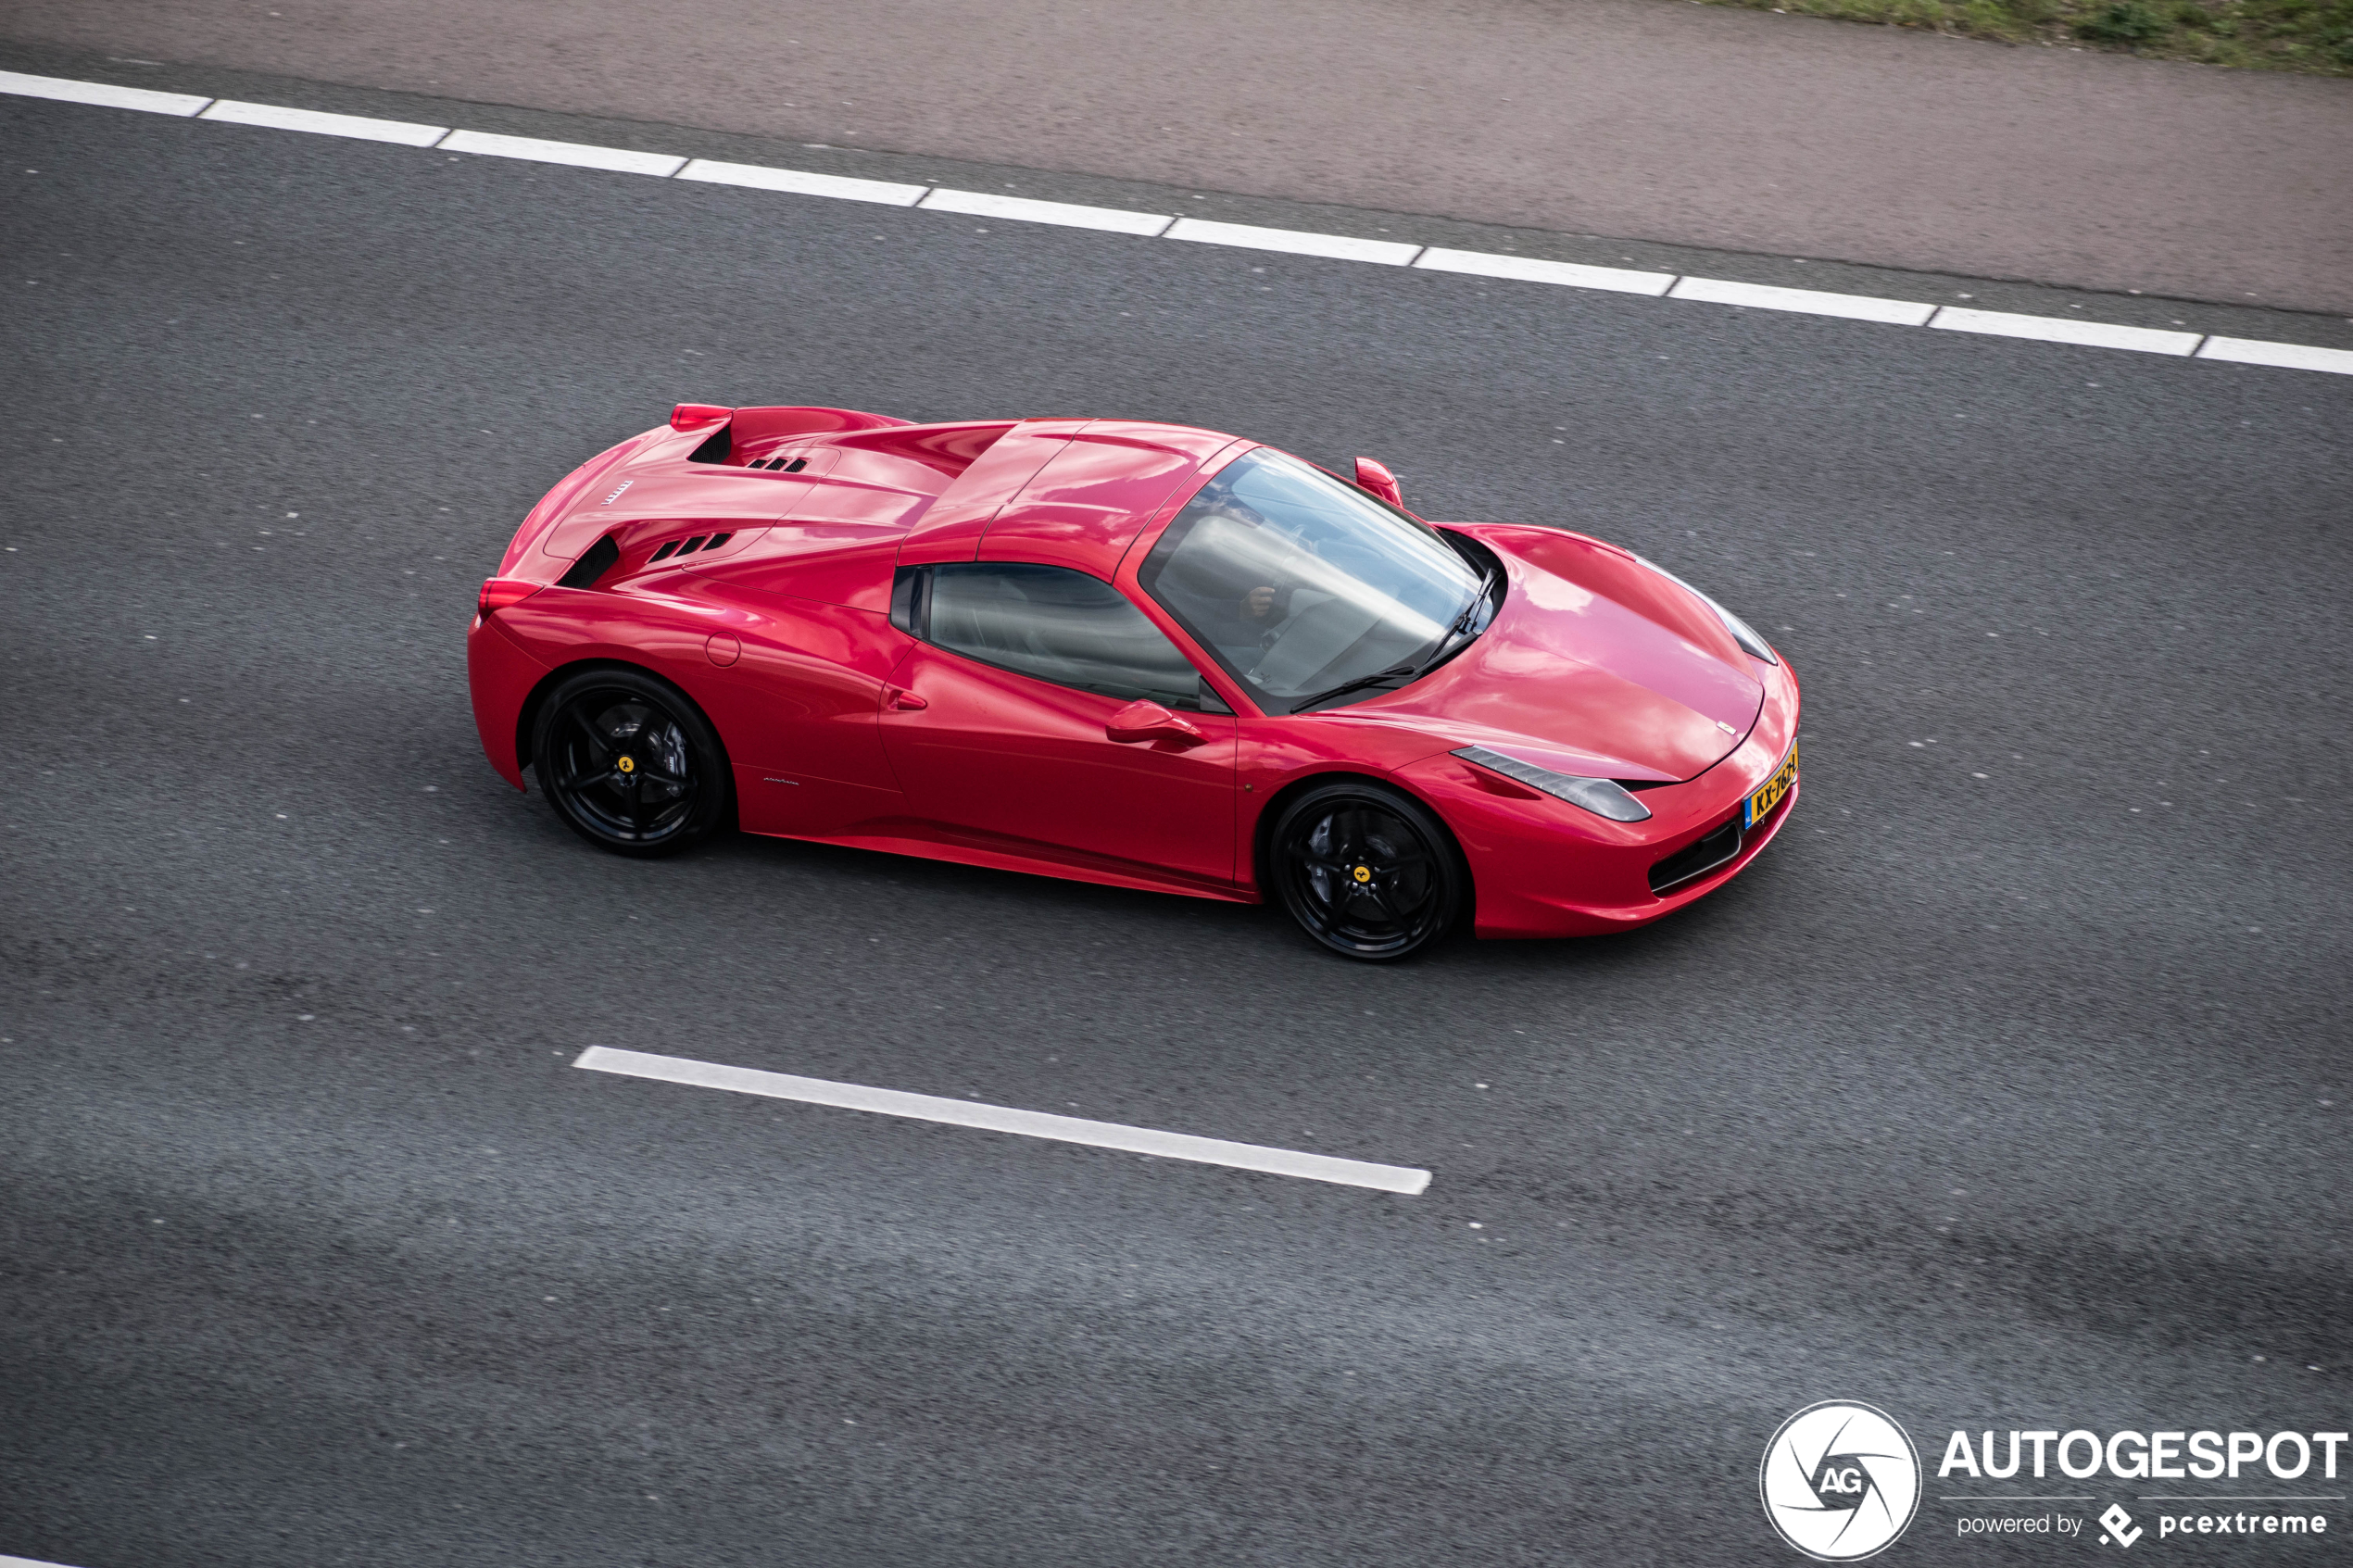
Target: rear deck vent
(715, 449)
(1697, 858)
(691, 545)
(593, 563)
(665, 552)
(717, 540)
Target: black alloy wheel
(629, 763)
(1367, 870)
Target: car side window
(1053, 623)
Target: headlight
(1603, 798)
(1743, 633)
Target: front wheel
(629, 763)
(1367, 870)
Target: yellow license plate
(1768, 794)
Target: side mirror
(1375, 478)
(1144, 720)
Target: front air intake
(1698, 858)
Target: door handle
(899, 697)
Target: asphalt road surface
(1637, 119)
(2007, 1090)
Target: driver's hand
(1259, 604)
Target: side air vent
(1697, 858)
(783, 466)
(594, 562)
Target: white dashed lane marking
(980, 204)
(619, 160)
(1336, 247)
(271, 117)
(1809, 302)
(2284, 355)
(1004, 1119)
(1146, 225)
(104, 95)
(795, 182)
(2050, 328)
(1528, 270)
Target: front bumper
(1542, 867)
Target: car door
(997, 724)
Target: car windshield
(1302, 584)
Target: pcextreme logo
(1841, 1480)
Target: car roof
(1065, 492)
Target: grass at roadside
(2306, 35)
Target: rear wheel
(628, 762)
(1367, 870)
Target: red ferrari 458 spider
(1128, 653)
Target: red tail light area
(500, 592)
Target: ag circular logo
(1840, 1481)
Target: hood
(1596, 665)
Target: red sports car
(1128, 653)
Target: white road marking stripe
(104, 95)
(1526, 269)
(1342, 247)
(1339, 248)
(2058, 329)
(277, 118)
(620, 160)
(1002, 1119)
(1022, 209)
(839, 187)
(2286, 356)
(1809, 302)
(27, 1562)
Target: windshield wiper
(1394, 672)
(1409, 674)
(1462, 623)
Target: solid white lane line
(27, 1562)
(2058, 329)
(1338, 247)
(620, 160)
(1526, 269)
(277, 118)
(1022, 209)
(103, 94)
(1002, 1119)
(1809, 302)
(2286, 356)
(839, 187)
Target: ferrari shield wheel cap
(1840, 1481)
(629, 763)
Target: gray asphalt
(2007, 1090)
(1644, 120)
